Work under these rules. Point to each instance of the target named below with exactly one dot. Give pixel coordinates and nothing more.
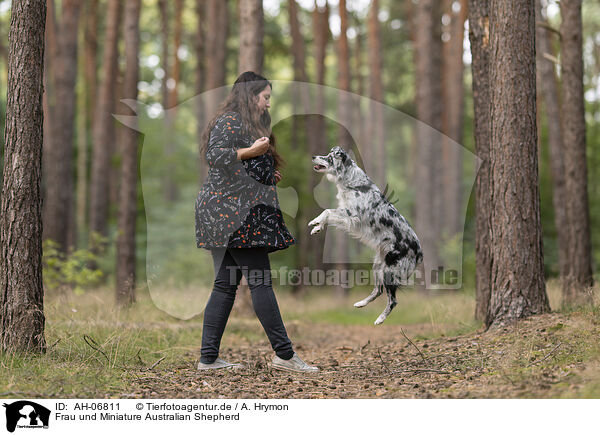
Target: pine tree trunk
(125, 281)
(479, 36)
(305, 242)
(428, 52)
(517, 278)
(200, 80)
(170, 191)
(452, 119)
(317, 139)
(345, 120)
(359, 86)
(58, 173)
(549, 90)
(216, 39)
(104, 127)
(251, 52)
(86, 113)
(579, 278)
(376, 126)
(21, 290)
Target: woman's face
(264, 99)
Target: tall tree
(86, 116)
(163, 8)
(21, 291)
(301, 97)
(376, 126)
(252, 32)
(345, 120)
(579, 278)
(58, 173)
(172, 84)
(317, 139)
(125, 281)
(217, 30)
(104, 128)
(479, 36)
(452, 117)
(517, 278)
(549, 90)
(428, 53)
(200, 43)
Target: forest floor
(95, 353)
(545, 356)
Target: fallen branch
(53, 344)
(92, 343)
(365, 346)
(383, 362)
(546, 357)
(443, 372)
(415, 346)
(156, 363)
(15, 393)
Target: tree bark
(428, 53)
(252, 32)
(517, 275)
(21, 290)
(125, 280)
(86, 115)
(104, 128)
(216, 48)
(452, 119)
(302, 97)
(200, 46)
(549, 90)
(58, 202)
(579, 279)
(345, 119)
(376, 127)
(317, 139)
(479, 36)
(173, 78)
(163, 8)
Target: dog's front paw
(315, 221)
(316, 229)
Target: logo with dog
(25, 414)
(368, 187)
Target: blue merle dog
(366, 214)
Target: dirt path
(546, 356)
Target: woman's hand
(258, 148)
(277, 176)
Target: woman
(239, 221)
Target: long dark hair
(242, 100)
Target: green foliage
(71, 270)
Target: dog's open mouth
(318, 167)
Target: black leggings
(229, 265)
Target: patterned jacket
(237, 205)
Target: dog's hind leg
(374, 295)
(378, 278)
(391, 294)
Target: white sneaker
(218, 364)
(295, 364)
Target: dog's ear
(352, 155)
